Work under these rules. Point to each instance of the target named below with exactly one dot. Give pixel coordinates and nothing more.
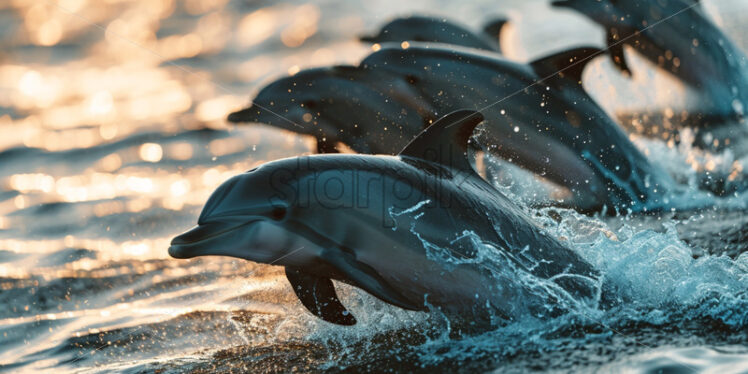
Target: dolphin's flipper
(615, 46)
(446, 140)
(568, 63)
(319, 297)
(366, 278)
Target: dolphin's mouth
(369, 38)
(254, 238)
(188, 244)
(245, 115)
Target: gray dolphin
(372, 112)
(551, 127)
(556, 129)
(365, 219)
(562, 71)
(677, 36)
(439, 30)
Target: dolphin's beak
(368, 38)
(561, 3)
(290, 119)
(251, 238)
(257, 114)
(251, 114)
(213, 238)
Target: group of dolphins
(374, 219)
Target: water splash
(659, 284)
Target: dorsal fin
(617, 56)
(446, 140)
(492, 29)
(569, 63)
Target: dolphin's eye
(278, 213)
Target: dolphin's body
(371, 112)
(364, 219)
(439, 30)
(553, 127)
(677, 36)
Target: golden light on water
(101, 103)
(30, 83)
(179, 188)
(102, 186)
(43, 25)
(35, 89)
(151, 152)
(257, 26)
(135, 249)
(49, 33)
(20, 202)
(216, 109)
(222, 147)
(303, 25)
(32, 182)
(180, 151)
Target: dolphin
(395, 227)
(361, 106)
(371, 112)
(563, 71)
(621, 163)
(539, 117)
(677, 36)
(439, 30)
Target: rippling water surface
(113, 136)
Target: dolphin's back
(404, 195)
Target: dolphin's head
(289, 103)
(244, 218)
(319, 102)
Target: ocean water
(113, 135)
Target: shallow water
(113, 136)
